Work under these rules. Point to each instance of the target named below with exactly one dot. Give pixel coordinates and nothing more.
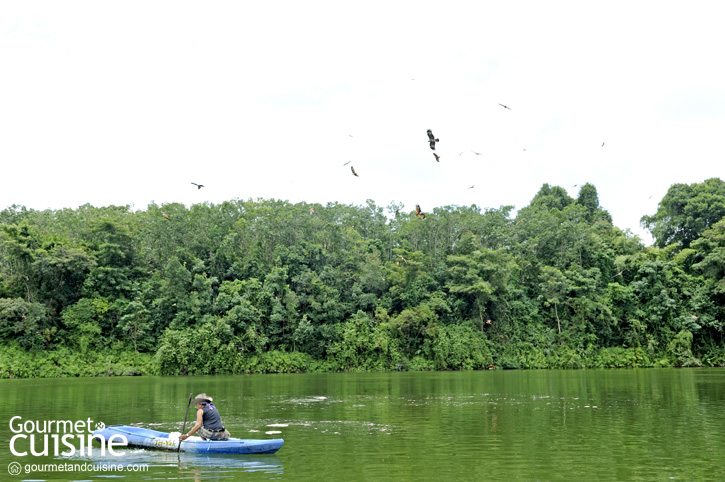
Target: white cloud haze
(128, 102)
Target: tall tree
(686, 211)
(589, 198)
(555, 289)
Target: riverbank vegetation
(271, 286)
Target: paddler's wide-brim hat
(201, 398)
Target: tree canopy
(686, 211)
(267, 285)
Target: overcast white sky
(128, 102)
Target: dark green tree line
(266, 285)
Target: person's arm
(199, 420)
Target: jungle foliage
(270, 286)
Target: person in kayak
(208, 421)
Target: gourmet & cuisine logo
(61, 438)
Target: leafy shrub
(458, 347)
(619, 357)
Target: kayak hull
(153, 439)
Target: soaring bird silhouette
(505, 106)
(353, 171)
(438, 158)
(198, 186)
(348, 162)
(432, 140)
(418, 212)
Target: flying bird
(438, 158)
(353, 171)
(198, 186)
(348, 162)
(505, 106)
(472, 186)
(164, 215)
(432, 140)
(418, 212)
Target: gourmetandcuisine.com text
(17, 469)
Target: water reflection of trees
(161, 463)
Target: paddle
(185, 417)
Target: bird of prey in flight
(353, 171)
(505, 106)
(438, 158)
(198, 186)
(164, 215)
(471, 150)
(432, 140)
(418, 212)
(472, 186)
(348, 162)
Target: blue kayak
(153, 439)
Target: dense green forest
(271, 286)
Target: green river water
(649, 424)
